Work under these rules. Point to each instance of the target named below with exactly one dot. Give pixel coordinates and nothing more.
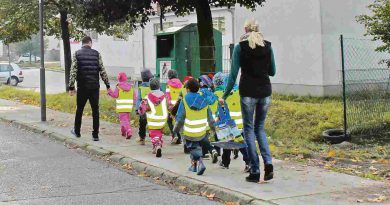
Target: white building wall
(338, 17)
(294, 28)
(1, 49)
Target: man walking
(86, 67)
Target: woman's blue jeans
(254, 113)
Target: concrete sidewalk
(293, 184)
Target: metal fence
(366, 88)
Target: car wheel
(14, 81)
(21, 62)
(38, 61)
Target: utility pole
(42, 69)
(9, 55)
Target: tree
(64, 19)
(30, 46)
(120, 10)
(378, 24)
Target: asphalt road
(55, 81)
(37, 170)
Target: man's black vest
(88, 68)
(255, 69)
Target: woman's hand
(221, 101)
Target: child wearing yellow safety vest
(143, 90)
(233, 102)
(206, 86)
(193, 116)
(172, 92)
(124, 94)
(156, 108)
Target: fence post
(231, 46)
(344, 93)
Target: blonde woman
(254, 55)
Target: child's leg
(226, 157)
(142, 127)
(206, 145)
(121, 121)
(156, 139)
(196, 157)
(245, 157)
(125, 124)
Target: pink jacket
(123, 84)
(156, 97)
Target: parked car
(10, 74)
(25, 58)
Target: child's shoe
(129, 134)
(174, 140)
(141, 141)
(222, 165)
(214, 155)
(235, 152)
(247, 168)
(200, 167)
(158, 151)
(193, 166)
(154, 150)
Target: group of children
(190, 110)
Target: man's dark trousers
(84, 95)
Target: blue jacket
(195, 102)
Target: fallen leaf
(380, 198)
(232, 203)
(331, 153)
(142, 174)
(182, 188)
(360, 201)
(211, 196)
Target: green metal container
(178, 49)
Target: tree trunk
(206, 37)
(66, 42)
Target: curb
(183, 182)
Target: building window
(93, 34)
(219, 24)
(166, 25)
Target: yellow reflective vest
(234, 104)
(174, 92)
(144, 91)
(195, 123)
(124, 102)
(158, 115)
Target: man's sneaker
(158, 151)
(222, 165)
(235, 152)
(95, 138)
(141, 141)
(253, 178)
(200, 168)
(193, 166)
(247, 168)
(74, 133)
(214, 155)
(268, 172)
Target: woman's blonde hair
(254, 36)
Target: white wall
(294, 28)
(1, 49)
(338, 17)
